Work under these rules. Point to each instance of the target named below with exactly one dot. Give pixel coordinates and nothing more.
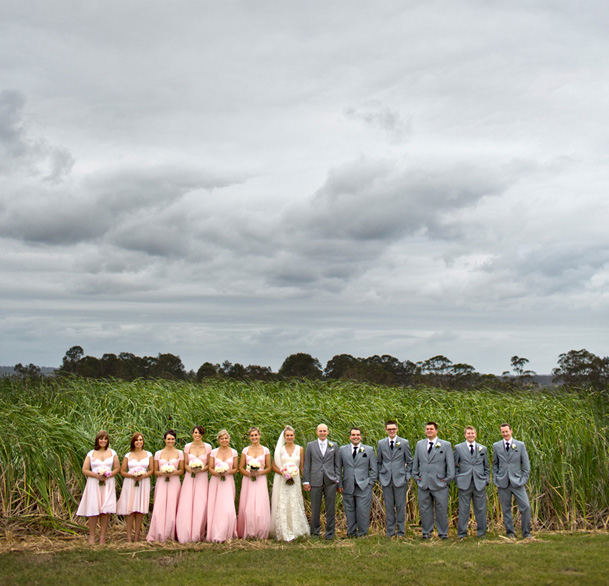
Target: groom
(320, 476)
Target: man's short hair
(432, 423)
(505, 425)
(355, 429)
(469, 427)
(391, 422)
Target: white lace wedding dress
(288, 518)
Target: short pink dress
(98, 499)
(166, 495)
(135, 499)
(192, 509)
(254, 518)
(221, 514)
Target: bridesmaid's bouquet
(196, 465)
(253, 465)
(221, 468)
(137, 473)
(167, 469)
(289, 471)
(105, 471)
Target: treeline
(576, 369)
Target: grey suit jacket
(395, 466)
(468, 467)
(512, 467)
(436, 470)
(361, 471)
(318, 468)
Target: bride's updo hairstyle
(289, 428)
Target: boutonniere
(361, 450)
(438, 445)
(480, 449)
(514, 447)
(397, 444)
(330, 445)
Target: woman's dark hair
(199, 428)
(134, 438)
(100, 434)
(170, 432)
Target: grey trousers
(522, 500)
(329, 494)
(357, 510)
(433, 503)
(395, 508)
(466, 496)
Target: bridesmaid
(99, 498)
(167, 489)
(134, 502)
(192, 510)
(254, 518)
(221, 514)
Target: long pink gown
(166, 495)
(221, 514)
(254, 518)
(98, 499)
(135, 499)
(192, 509)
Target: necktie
(507, 446)
(354, 451)
(322, 447)
(429, 447)
(391, 444)
(471, 449)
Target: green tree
(301, 365)
(580, 368)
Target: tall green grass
(47, 429)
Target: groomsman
(511, 469)
(320, 476)
(473, 476)
(433, 470)
(358, 475)
(395, 470)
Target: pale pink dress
(135, 499)
(166, 495)
(221, 514)
(98, 499)
(254, 518)
(192, 509)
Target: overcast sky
(245, 180)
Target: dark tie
(471, 449)
(391, 444)
(429, 448)
(354, 451)
(507, 446)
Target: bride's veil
(276, 483)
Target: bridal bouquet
(221, 468)
(167, 469)
(196, 465)
(253, 465)
(105, 471)
(289, 471)
(137, 473)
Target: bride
(288, 518)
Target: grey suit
(433, 472)
(395, 470)
(322, 473)
(357, 478)
(511, 469)
(473, 476)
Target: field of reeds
(48, 427)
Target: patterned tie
(429, 448)
(391, 444)
(354, 452)
(471, 449)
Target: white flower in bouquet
(167, 469)
(138, 473)
(196, 465)
(221, 468)
(253, 465)
(289, 471)
(105, 471)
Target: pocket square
(365, 455)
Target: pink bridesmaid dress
(221, 514)
(166, 495)
(98, 499)
(254, 518)
(135, 499)
(192, 509)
